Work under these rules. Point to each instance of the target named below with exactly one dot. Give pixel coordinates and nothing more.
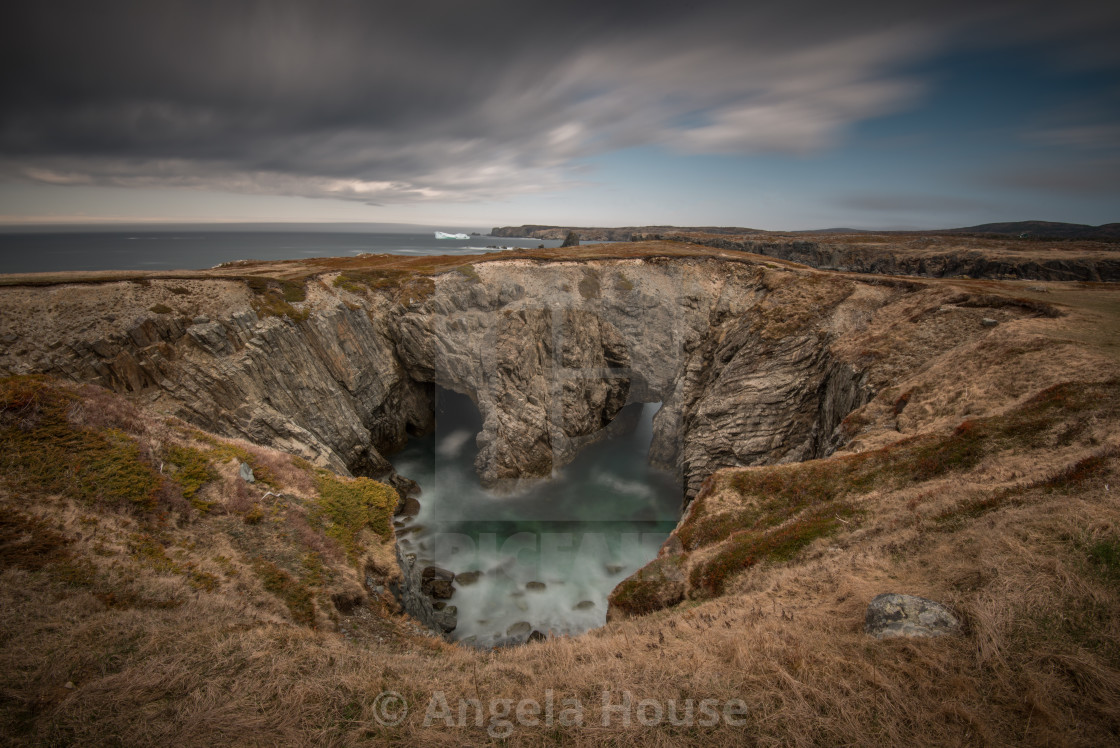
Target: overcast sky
(791, 115)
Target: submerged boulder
(437, 582)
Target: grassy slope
(228, 615)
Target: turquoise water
(549, 555)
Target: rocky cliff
(549, 351)
(745, 357)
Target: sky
(790, 115)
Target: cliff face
(550, 352)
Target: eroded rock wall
(739, 355)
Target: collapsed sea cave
(501, 568)
(522, 378)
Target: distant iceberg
(441, 235)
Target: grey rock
(415, 602)
(467, 578)
(437, 582)
(521, 628)
(584, 605)
(246, 473)
(410, 507)
(891, 614)
(989, 322)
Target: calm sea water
(546, 557)
(35, 252)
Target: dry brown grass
(121, 606)
(171, 625)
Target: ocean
(42, 251)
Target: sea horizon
(191, 247)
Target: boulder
(467, 578)
(436, 582)
(891, 614)
(408, 507)
(246, 473)
(519, 629)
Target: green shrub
(192, 469)
(346, 507)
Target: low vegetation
(46, 452)
(349, 508)
(744, 517)
(274, 298)
(406, 286)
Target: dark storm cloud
(453, 100)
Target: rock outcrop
(739, 355)
(892, 615)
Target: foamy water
(548, 556)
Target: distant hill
(1043, 230)
(1037, 230)
(617, 234)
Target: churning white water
(543, 559)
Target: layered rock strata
(739, 354)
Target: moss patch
(43, 451)
(656, 586)
(221, 451)
(406, 286)
(274, 298)
(347, 507)
(192, 472)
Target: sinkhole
(544, 558)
